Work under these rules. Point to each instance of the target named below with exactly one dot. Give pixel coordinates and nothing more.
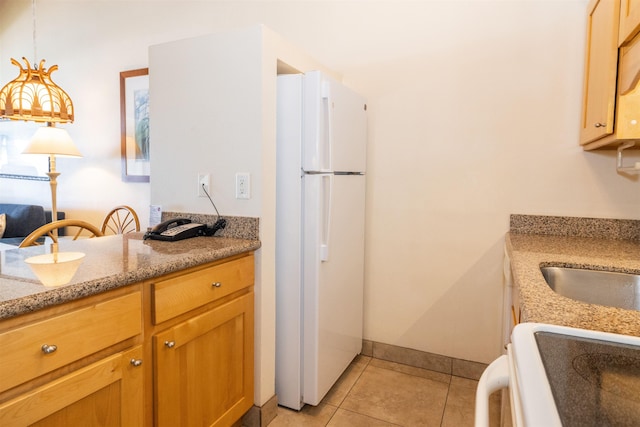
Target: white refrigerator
(320, 202)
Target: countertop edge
(539, 303)
(56, 296)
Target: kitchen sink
(595, 287)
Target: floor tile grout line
(332, 415)
(450, 376)
(369, 363)
(368, 416)
(444, 407)
(448, 383)
(339, 406)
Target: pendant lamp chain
(33, 18)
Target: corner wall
(220, 118)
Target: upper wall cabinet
(629, 20)
(601, 60)
(611, 106)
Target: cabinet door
(601, 59)
(204, 367)
(106, 393)
(629, 20)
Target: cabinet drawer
(69, 337)
(183, 293)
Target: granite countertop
(538, 303)
(109, 262)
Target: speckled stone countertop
(535, 241)
(109, 262)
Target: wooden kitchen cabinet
(628, 103)
(203, 344)
(172, 351)
(611, 98)
(629, 20)
(74, 364)
(204, 367)
(601, 60)
(105, 393)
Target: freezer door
(334, 126)
(333, 274)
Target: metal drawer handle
(600, 125)
(216, 284)
(48, 349)
(136, 362)
(170, 344)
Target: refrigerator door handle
(327, 182)
(328, 125)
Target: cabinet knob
(170, 344)
(216, 284)
(600, 125)
(136, 362)
(48, 349)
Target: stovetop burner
(593, 382)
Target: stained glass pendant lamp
(33, 96)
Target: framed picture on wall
(134, 125)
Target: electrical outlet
(204, 179)
(243, 185)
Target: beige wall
(231, 129)
(473, 107)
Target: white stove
(561, 376)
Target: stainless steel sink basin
(595, 287)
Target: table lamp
(53, 142)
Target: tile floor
(377, 393)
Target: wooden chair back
(121, 220)
(50, 230)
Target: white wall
(207, 110)
(473, 107)
(474, 117)
(231, 128)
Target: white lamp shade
(55, 269)
(52, 141)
